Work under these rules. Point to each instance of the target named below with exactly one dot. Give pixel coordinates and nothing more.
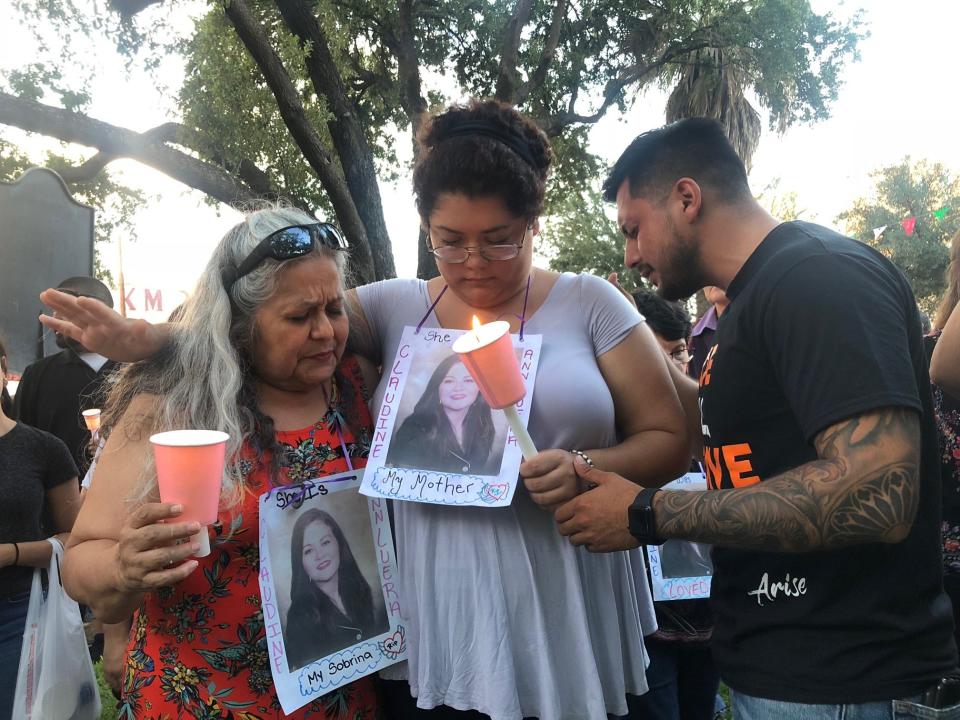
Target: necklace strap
(522, 317)
(430, 310)
(523, 313)
(334, 419)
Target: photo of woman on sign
(451, 427)
(331, 603)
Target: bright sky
(895, 102)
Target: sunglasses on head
(285, 244)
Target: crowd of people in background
(801, 395)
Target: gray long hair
(202, 378)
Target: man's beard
(682, 274)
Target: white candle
(482, 335)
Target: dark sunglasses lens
(290, 243)
(330, 237)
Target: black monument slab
(45, 237)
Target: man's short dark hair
(667, 319)
(696, 148)
(85, 286)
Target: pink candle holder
(189, 472)
(487, 353)
(91, 418)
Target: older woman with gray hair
(258, 354)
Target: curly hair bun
(484, 148)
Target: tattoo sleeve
(864, 487)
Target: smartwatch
(640, 517)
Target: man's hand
(614, 279)
(598, 517)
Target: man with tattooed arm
(814, 419)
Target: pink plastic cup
(189, 471)
(487, 352)
(91, 418)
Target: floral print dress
(947, 411)
(198, 649)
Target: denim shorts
(747, 707)
(13, 616)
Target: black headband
(495, 132)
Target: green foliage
(795, 58)
(115, 204)
(579, 237)
(919, 189)
(108, 704)
(782, 205)
(35, 80)
(224, 94)
(607, 52)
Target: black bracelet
(16, 550)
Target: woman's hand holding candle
(550, 478)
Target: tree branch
(554, 125)
(295, 118)
(116, 142)
(507, 76)
(88, 169)
(415, 106)
(345, 129)
(257, 179)
(408, 68)
(539, 75)
(129, 8)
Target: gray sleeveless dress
(504, 615)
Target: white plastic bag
(55, 680)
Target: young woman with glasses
(507, 619)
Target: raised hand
(101, 329)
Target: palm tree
(711, 85)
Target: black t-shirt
(31, 463)
(54, 391)
(821, 328)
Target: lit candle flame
(476, 323)
(476, 329)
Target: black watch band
(641, 521)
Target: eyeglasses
(680, 355)
(285, 244)
(456, 254)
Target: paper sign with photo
(435, 438)
(327, 566)
(681, 570)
